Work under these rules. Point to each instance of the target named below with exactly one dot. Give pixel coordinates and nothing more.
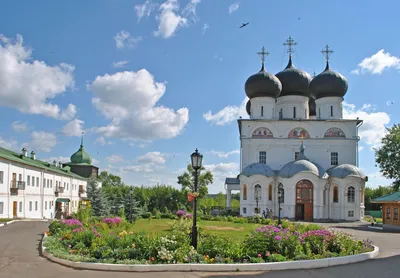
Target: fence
(374, 213)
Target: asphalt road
(20, 257)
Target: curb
(23, 220)
(306, 264)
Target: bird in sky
(244, 25)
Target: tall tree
(97, 200)
(388, 156)
(186, 180)
(108, 179)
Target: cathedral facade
(298, 155)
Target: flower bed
(112, 240)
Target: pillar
(228, 198)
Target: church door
(304, 200)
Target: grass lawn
(221, 228)
(3, 220)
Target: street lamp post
(257, 200)
(279, 203)
(197, 159)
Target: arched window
(257, 192)
(244, 192)
(351, 195)
(335, 194)
(270, 192)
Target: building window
(244, 210)
(280, 114)
(36, 206)
(334, 158)
(296, 155)
(45, 205)
(388, 213)
(270, 192)
(28, 180)
(44, 183)
(48, 183)
(257, 192)
(263, 157)
(396, 214)
(20, 206)
(319, 112)
(282, 198)
(294, 112)
(20, 177)
(1, 177)
(1, 207)
(33, 181)
(335, 194)
(37, 182)
(331, 111)
(262, 111)
(245, 192)
(351, 195)
(350, 213)
(51, 183)
(30, 205)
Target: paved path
(20, 257)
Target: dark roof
(232, 181)
(294, 81)
(15, 157)
(248, 107)
(328, 84)
(393, 197)
(262, 84)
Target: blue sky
(149, 81)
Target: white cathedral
(297, 153)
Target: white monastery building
(30, 188)
(297, 145)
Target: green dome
(81, 157)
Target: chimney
(60, 164)
(24, 152)
(33, 155)
(54, 163)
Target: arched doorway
(304, 200)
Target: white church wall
(286, 105)
(329, 108)
(262, 108)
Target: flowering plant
(181, 213)
(72, 222)
(112, 221)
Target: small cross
(314, 74)
(263, 53)
(327, 52)
(290, 43)
(302, 138)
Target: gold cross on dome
(327, 52)
(263, 53)
(290, 43)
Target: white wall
(323, 108)
(262, 108)
(286, 105)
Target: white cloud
(220, 172)
(42, 141)
(377, 63)
(18, 126)
(227, 114)
(217, 57)
(124, 39)
(68, 113)
(120, 64)
(102, 141)
(26, 84)
(360, 148)
(62, 159)
(373, 128)
(145, 168)
(9, 144)
(223, 154)
(190, 9)
(129, 100)
(152, 158)
(114, 159)
(145, 9)
(205, 27)
(233, 8)
(73, 128)
(169, 20)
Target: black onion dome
(248, 107)
(262, 84)
(328, 84)
(312, 107)
(294, 81)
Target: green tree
(186, 180)
(131, 206)
(372, 193)
(108, 179)
(388, 156)
(97, 200)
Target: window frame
(334, 158)
(262, 111)
(28, 180)
(335, 197)
(351, 194)
(244, 192)
(270, 192)
(1, 177)
(262, 155)
(388, 213)
(294, 112)
(396, 214)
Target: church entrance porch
(304, 201)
